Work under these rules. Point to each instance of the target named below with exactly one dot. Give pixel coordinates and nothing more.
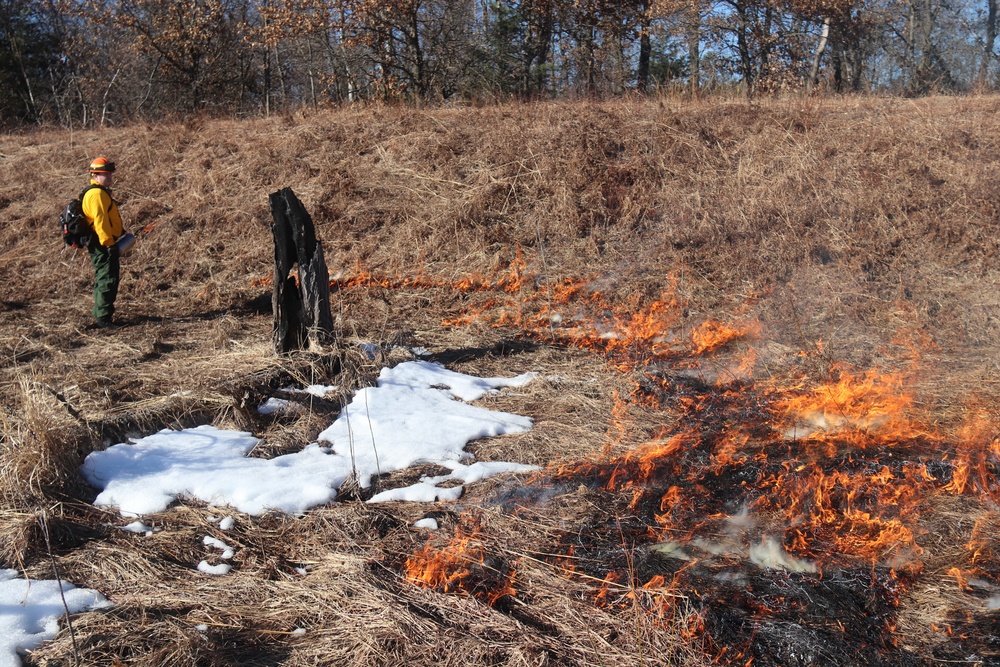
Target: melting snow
(415, 414)
(227, 551)
(216, 570)
(138, 527)
(30, 611)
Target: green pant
(107, 271)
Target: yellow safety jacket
(101, 212)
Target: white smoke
(770, 554)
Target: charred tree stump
(301, 306)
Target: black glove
(113, 251)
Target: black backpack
(76, 232)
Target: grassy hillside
(830, 243)
(888, 200)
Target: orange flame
(711, 336)
(962, 578)
(865, 410)
(978, 451)
(571, 312)
(454, 569)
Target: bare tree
(989, 41)
(694, 46)
(195, 43)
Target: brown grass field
(801, 297)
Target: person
(102, 215)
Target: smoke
(770, 554)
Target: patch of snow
(227, 551)
(411, 416)
(278, 406)
(216, 570)
(138, 527)
(30, 611)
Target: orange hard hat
(101, 165)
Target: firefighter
(102, 215)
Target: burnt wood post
(301, 308)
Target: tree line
(89, 62)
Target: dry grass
(855, 231)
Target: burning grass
(825, 481)
(767, 344)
